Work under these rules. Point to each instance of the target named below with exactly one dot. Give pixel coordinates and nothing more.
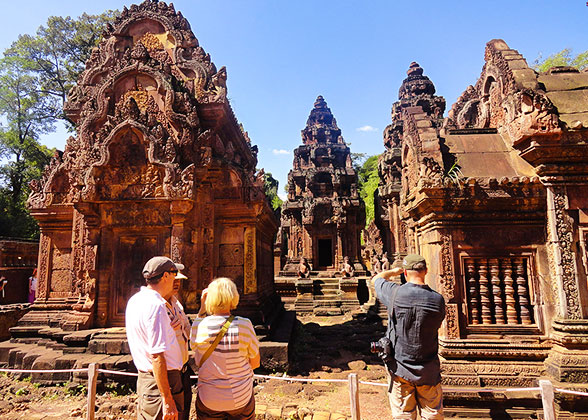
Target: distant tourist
(181, 325)
(226, 351)
(154, 346)
(3, 283)
(33, 286)
(415, 313)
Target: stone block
(273, 413)
(321, 415)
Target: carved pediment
(150, 77)
(507, 97)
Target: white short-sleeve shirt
(149, 331)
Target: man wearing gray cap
(153, 344)
(415, 313)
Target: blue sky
(281, 54)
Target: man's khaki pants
(149, 401)
(406, 397)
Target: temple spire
(321, 126)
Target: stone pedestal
(304, 295)
(348, 288)
(568, 359)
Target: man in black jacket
(415, 313)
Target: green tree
(271, 190)
(368, 180)
(562, 58)
(28, 113)
(36, 73)
(58, 52)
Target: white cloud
(283, 196)
(366, 129)
(280, 152)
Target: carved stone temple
(159, 166)
(495, 196)
(322, 218)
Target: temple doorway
(325, 253)
(131, 251)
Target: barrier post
(547, 398)
(92, 378)
(354, 396)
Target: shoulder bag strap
(392, 314)
(217, 340)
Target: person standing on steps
(415, 313)
(153, 344)
(226, 350)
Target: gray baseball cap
(411, 260)
(159, 265)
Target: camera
(383, 347)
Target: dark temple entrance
(325, 252)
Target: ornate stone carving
(562, 242)
(156, 150)
(250, 263)
(447, 277)
(323, 202)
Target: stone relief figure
(385, 262)
(347, 270)
(376, 265)
(304, 269)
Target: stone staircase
(327, 297)
(323, 294)
(55, 349)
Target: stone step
(333, 297)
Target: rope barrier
(569, 391)
(42, 371)
(118, 372)
(290, 379)
(286, 378)
(374, 383)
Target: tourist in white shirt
(153, 344)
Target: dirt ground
(323, 347)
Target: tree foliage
(270, 185)
(563, 58)
(28, 115)
(36, 73)
(368, 180)
(58, 52)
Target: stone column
(250, 256)
(568, 359)
(562, 254)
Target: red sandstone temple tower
(323, 216)
(321, 221)
(159, 165)
(495, 197)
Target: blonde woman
(225, 376)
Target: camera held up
(383, 347)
